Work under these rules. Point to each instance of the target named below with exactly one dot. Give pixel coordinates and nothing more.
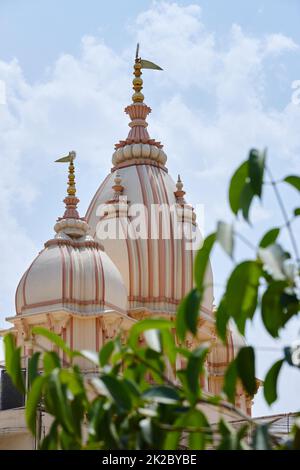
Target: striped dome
(71, 275)
(157, 271)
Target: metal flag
(67, 158)
(146, 64)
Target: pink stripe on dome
(70, 273)
(26, 275)
(149, 248)
(102, 280)
(161, 242)
(96, 269)
(172, 272)
(63, 266)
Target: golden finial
(179, 184)
(71, 177)
(179, 193)
(117, 187)
(137, 82)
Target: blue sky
(226, 86)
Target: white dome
(71, 275)
(157, 271)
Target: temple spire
(137, 82)
(138, 110)
(70, 200)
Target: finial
(71, 177)
(117, 187)
(70, 224)
(179, 193)
(137, 82)
(70, 200)
(179, 184)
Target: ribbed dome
(149, 211)
(157, 271)
(72, 272)
(71, 275)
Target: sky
(227, 86)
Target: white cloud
(277, 43)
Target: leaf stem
(228, 406)
(285, 216)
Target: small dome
(238, 340)
(157, 269)
(73, 275)
(72, 272)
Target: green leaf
(33, 365)
(147, 430)
(297, 211)
(195, 369)
(173, 437)
(245, 364)
(271, 308)
(242, 291)
(201, 261)
(91, 356)
(197, 440)
(277, 307)
(237, 183)
(269, 238)
(153, 339)
(222, 319)
(273, 258)
(106, 352)
(270, 382)
(188, 314)
(181, 328)
(162, 394)
(57, 402)
(293, 180)
(147, 324)
(50, 442)
(33, 400)
(13, 362)
(51, 361)
(246, 198)
(53, 337)
(230, 380)
(292, 354)
(169, 346)
(118, 391)
(256, 170)
(73, 381)
(230, 438)
(225, 237)
(261, 439)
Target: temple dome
(136, 197)
(157, 271)
(72, 273)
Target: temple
(130, 257)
